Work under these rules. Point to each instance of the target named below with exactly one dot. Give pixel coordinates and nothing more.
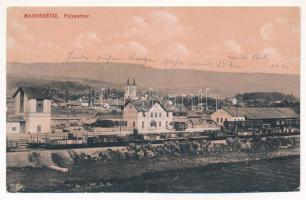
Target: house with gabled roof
(147, 118)
(33, 104)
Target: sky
(231, 39)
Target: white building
(34, 105)
(155, 118)
(84, 102)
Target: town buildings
(33, 108)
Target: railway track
(115, 141)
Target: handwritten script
(229, 61)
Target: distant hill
(164, 80)
(79, 87)
(267, 99)
(265, 96)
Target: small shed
(15, 124)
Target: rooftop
(14, 118)
(262, 113)
(144, 106)
(34, 92)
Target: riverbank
(102, 175)
(67, 170)
(268, 175)
(133, 168)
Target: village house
(84, 101)
(154, 118)
(193, 121)
(200, 124)
(33, 105)
(227, 114)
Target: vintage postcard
(153, 99)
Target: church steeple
(131, 89)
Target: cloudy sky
(218, 39)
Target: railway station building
(153, 118)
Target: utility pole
(182, 101)
(234, 101)
(151, 92)
(201, 100)
(206, 107)
(192, 103)
(103, 93)
(216, 98)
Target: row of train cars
(229, 130)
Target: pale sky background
(203, 38)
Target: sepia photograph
(152, 99)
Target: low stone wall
(41, 158)
(65, 158)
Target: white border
(69, 3)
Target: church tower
(131, 90)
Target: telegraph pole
(206, 107)
(182, 101)
(216, 98)
(234, 101)
(201, 100)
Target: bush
(140, 154)
(62, 159)
(170, 148)
(246, 146)
(35, 158)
